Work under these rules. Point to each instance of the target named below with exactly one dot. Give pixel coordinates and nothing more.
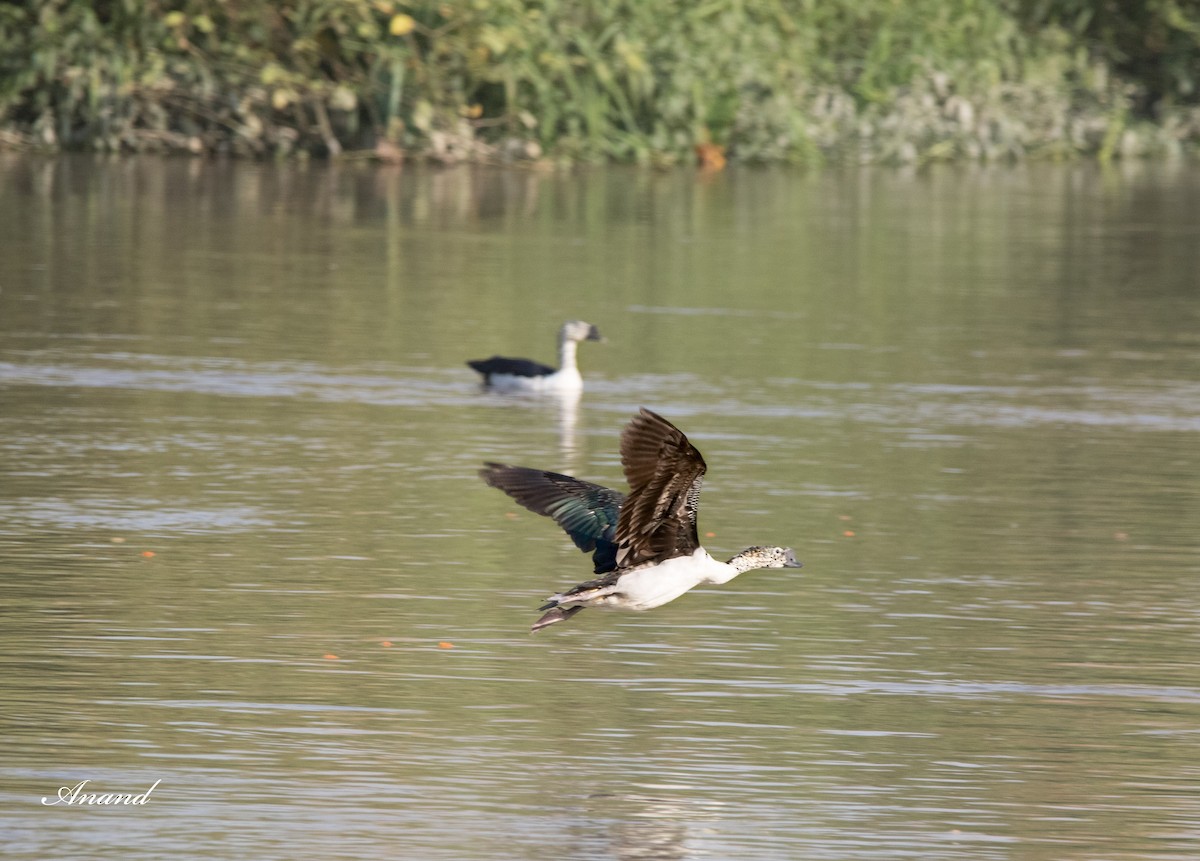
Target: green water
(243, 549)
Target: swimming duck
(504, 374)
(645, 548)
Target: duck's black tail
(556, 614)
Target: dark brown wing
(664, 470)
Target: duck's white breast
(562, 380)
(643, 588)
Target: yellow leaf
(401, 25)
(422, 115)
(343, 99)
(174, 20)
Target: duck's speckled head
(765, 557)
(578, 330)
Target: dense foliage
(632, 80)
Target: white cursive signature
(76, 795)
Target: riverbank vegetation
(650, 81)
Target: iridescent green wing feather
(587, 512)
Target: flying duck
(645, 549)
(503, 374)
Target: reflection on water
(557, 409)
(244, 549)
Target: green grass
(602, 80)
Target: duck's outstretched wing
(587, 512)
(515, 367)
(664, 470)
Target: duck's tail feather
(556, 614)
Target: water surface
(244, 551)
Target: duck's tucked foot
(557, 614)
